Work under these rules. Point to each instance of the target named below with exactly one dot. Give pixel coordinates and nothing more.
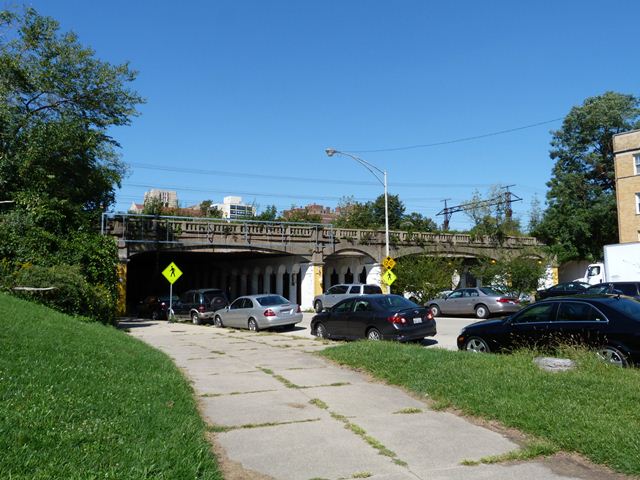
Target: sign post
(388, 276)
(171, 273)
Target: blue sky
(242, 93)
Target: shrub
(71, 292)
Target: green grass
(80, 400)
(593, 410)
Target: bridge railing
(193, 231)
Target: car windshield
(394, 301)
(272, 300)
(598, 289)
(491, 292)
(627, 306)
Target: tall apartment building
(626, 148)
(169, 198)
(232, 207)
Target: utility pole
(447, 215)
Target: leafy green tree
(416, 222)
(422, 277)
(517, 275)
(396, 211)
(302, 215)
(581, 214)
(207, 209)
(58, 103)
(490, 216)
(58, 162)
(268, 214)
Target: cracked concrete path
(280, 412)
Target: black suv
(630, 289)
(199, 305)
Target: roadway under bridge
(295, 260)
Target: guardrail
(194, 231)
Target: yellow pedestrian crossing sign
(389, 277)
(172, 273)
(388, 263)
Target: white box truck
(621, 264)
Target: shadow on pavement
(128, 323)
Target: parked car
(257, 312)
(154, 307)
(200, 305)
(376, 317)
(562, 290)
(610, 324)
(481, 302)
(630, 289)
(342, 291)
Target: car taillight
(298, 310)
(269, 313)
(201, 308)
(429, 316)
(396, 319)
(503, 300)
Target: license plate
(417, 320)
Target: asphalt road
(448, 330)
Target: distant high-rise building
(232, 207)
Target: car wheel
(613, 356)
(321, 331)
(477, 345)
(154, 315)
(253, 325)
(318, 306)
(195, 319)
(435, 310)
(482, 311)
(218, 322)
(374, 334)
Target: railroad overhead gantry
(506, 198)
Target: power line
(300, 179)
(457, 140)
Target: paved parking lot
(448, 330)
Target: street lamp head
(330, 152)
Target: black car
(562, 290)
(610, 324)
(376, 317)
(630, 289)
(200, 305)
(154, 307)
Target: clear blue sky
(258, 89)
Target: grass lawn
(79, 400)
(593, 410)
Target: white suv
(342, 291)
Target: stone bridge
(296, 260)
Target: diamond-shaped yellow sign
(388, 263)
(389, 277)
(172, 273)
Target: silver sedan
(257, 312)
(481, 302)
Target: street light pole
(373, 169)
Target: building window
(636, 161)
(638, 203)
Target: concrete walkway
(281, 412)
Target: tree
(302, 215)
(517, 275)
(416, 222)
(490, 215)
(57, 102)
(207, 209)
(423, 277)
(268, 214)
(58, 162)
(581, 214)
